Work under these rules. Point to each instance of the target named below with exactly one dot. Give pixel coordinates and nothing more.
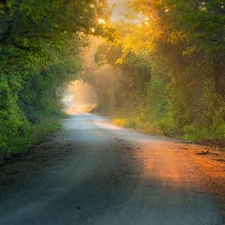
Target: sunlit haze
(118, 9)
(78, 97)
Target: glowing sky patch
(118, 9)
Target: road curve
(111, 176)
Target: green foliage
(44, 128)
(168, 71)
(15, 129)
(40, 51)
(156, 98)
(119, 87)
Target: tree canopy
(40, 51)
(172, 63)
(162, 71)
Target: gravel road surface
(94, 173)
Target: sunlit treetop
(175, 22)
(68, 16)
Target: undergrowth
(165, 126)
(15, 142)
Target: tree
(40, 47)
(190, 47)
(175, 56)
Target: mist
(79, 97)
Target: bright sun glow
(101, 21)
(120, 11)
(78, 97)
(92, 30)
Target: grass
(44, 128)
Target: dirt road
(93, 173)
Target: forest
(40, 52)
(161, 70)
(165, 72)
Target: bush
(45, 127)
(17, 135)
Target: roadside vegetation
(40, 52)
(163, 72)
(166, 73)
